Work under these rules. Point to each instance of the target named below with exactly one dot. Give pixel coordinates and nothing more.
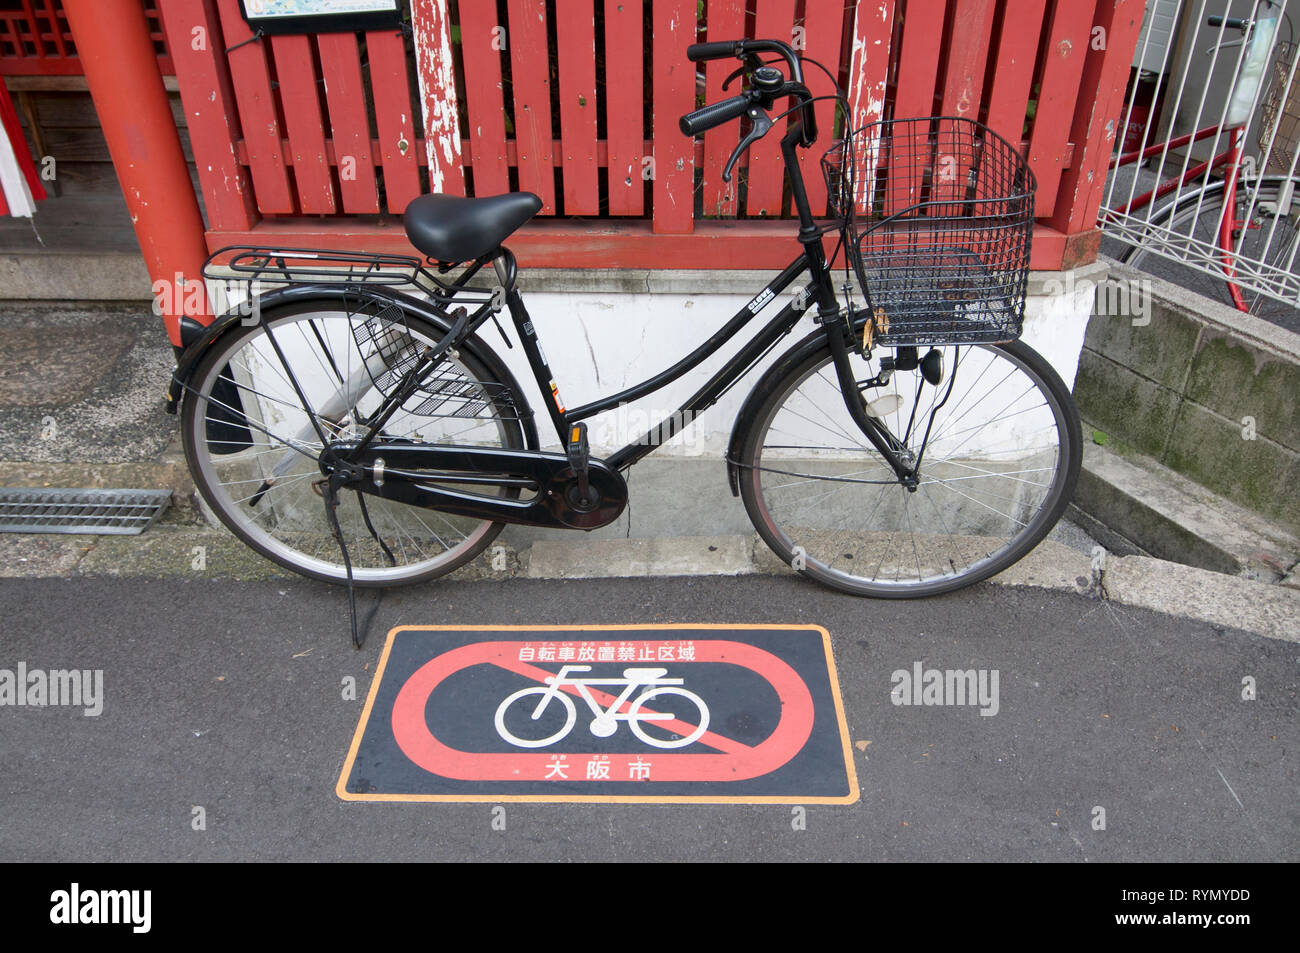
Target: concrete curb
(1139, 507)
(188, 552)
(75, 276)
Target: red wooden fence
(325, 139)
(35, 39)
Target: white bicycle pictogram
(650, 681)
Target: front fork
(839, 334)
(890, 447)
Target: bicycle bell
(767, 78)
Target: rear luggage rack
(258, 266)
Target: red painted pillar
(121, 67)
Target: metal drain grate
(106, 512)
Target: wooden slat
(210, 114)
(1017, 52)
(386, 53)
(576, 49)
(345, 93)
(918, 68)
(1067, 50)
(481, 43)
(823, 29)
(295, 70)
(765, 184)
(78, 112)
(1097, 116)
(431, 28)
(873, 31)
(917, 77)
(673, 23)
(530, 76)
(56, 28)
(963, 86)
(968, 58)
(89, 144)
(35, 29)
(725, 20)
(624, 102)
(16, 38)
(258, 115)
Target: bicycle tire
(826, 536)
(1188, 215)
(288, 523)
(499, 719)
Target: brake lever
(762, 124)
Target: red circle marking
(411, 729)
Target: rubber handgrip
(692, 124)
(717, 50)
(1234, 23)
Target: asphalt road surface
(226, 696)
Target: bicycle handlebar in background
(1232, 23)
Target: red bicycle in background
(1233, 237)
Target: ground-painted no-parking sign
(690, 713)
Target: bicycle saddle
(453, 228)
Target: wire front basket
(937, 216)
(1279, 129)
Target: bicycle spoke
(321, 355)
(994, 469)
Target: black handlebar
(1233, 23)
(698, 52)
(721, 49)
(716, 114)
(705, 118)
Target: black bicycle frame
(563, 418)
(821, 291)
(836, 324)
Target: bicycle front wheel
(699, 717)
(1268, 240)
(997, 470)
(259, 400)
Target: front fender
(748, 415)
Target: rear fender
(196, 339)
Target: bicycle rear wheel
(252, 447)
(1268, 238)
(997, 471)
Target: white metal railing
(1205, 195)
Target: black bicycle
(351, 424)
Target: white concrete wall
(602, 334)
(601, 341)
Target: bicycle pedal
(579, 453)
(577, 448)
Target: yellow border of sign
(851, 798)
